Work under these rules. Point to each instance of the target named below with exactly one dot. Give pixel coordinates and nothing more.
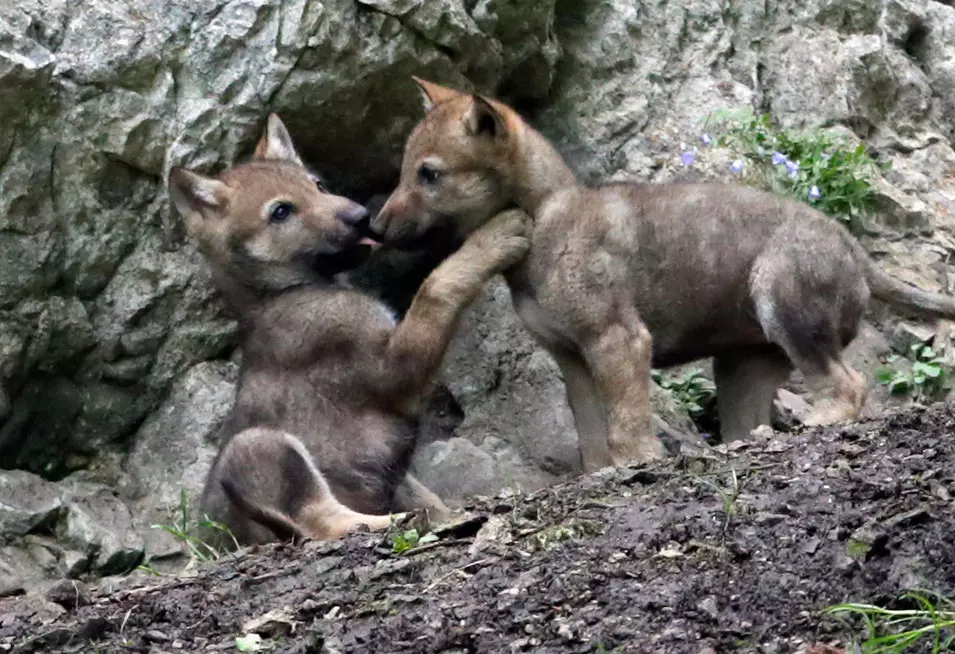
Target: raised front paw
(505, 239)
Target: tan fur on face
(313, 226)
(229, 217)
(473, 177)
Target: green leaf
(248, 643)
(931, 370)
(884, 375)
(898, 386)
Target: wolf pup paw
(505, 238)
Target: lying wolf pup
(321, 435)
(756, 281)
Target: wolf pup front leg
(620, 357)
(419, 342)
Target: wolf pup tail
(905, 296)
(896, 292)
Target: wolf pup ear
(276, 144)
(196, 196)
(434, 94)
(483, 119)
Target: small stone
(565, 632)
(907, 334)
(709, 607)
(75, 563)
(26, 500)
(791, 409)
(327, 563)
(915, 516)
(70, 593)
(844, 563)
(811, 546)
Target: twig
(122, 627)
(273, 575)
(438, 543)
(444, 578)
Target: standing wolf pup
(321, 436)
(625, 276)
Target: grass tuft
(187, 531)
(930, 623)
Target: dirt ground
(671, 558)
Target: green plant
(924, 375)
(149, 570)
(811, 165)
(600, 648)
(894, 631)
(405, 541)
(728, 494)
(187, 529)
(248, 643)
(553, 536)
(691, 390)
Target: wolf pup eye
(428, 174)
(281, 212)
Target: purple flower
(707, 139)
(779, 158)
(737, 167)
(793, 168)
(814, 193)
(688, 157)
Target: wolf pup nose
(358, 218)
(354, 216)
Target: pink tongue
(367, 241)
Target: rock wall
(107, 316)
(102, 305)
